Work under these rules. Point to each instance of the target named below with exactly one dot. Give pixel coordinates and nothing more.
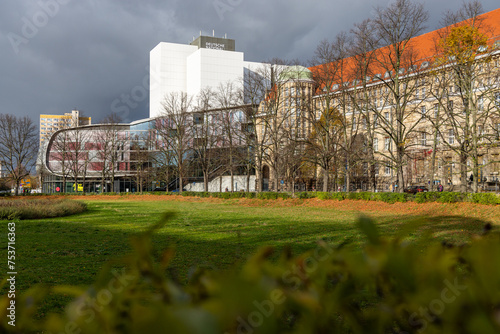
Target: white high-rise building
(206, 62)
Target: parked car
(416, 189)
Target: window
(480, 133)
(376, 168)
(387, 116)
(423, 139)
(197, 119)
(451, 136)
(375, 120)
(387, 144)
(354, 123)
(436, 110)
(375, 144)
(450, 105)
(422, 93)
(364, 123)
(422, 111)
(387, 169)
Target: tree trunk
(347, 177)
(248, 179)
(205, 181)
(325, 179)
(463, 173)
(232, 180)
(476, 180)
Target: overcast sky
(56, 55)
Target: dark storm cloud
(94, 55)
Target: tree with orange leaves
(464, 61)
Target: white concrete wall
(210, 68)
(185, 68)
(168, 63)
(240, 182)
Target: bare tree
(322, 146)
(110, 143)
(174, 129)
(395, 27)
(227, 99)
(141, 146)
(207, 132)
(257, 83)
(77, 153)
(274, 118)
(18, 147)
(364, 96)
(60, 155)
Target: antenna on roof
(213, 33)
(225, 35)
(200, 32)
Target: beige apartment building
(432, 120)
(51, 123)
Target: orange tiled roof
(425, 44)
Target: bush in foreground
(39, 208)
(389, 287)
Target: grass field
(217, 233)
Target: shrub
(430, 196)
(111, 193)
(251, 195)
(451, 197)
(39, 208)
(484, 198)
(322, 195)
(388, 197)
(272, 195)
(304, 194)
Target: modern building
(205, 62)
(51, 123)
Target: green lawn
(72, 250)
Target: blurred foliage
(390, 287)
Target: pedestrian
(440, 187)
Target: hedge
(388, 197)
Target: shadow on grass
(72, 251)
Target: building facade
(206, 62)
(341, 125)
(432, 120)
(51, 123)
